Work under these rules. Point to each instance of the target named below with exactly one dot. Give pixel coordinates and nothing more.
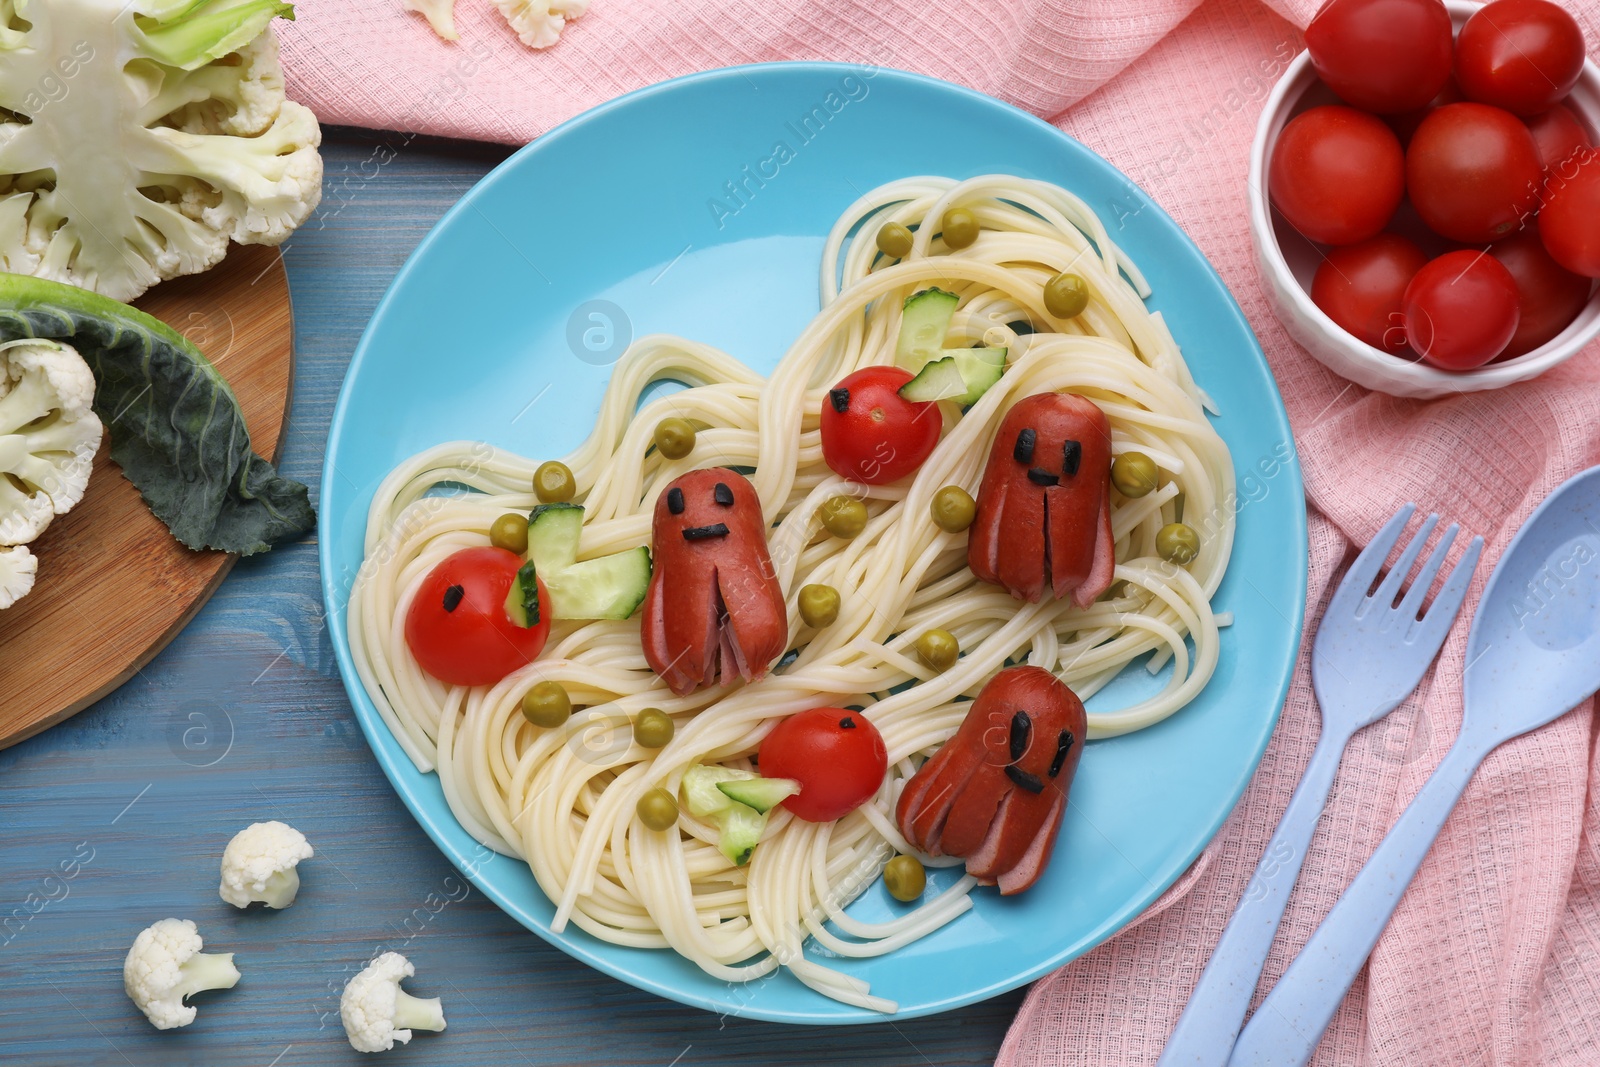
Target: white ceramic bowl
(1287, 261)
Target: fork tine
(1358, 579)
(1419, 588)
(1447, 604)
(1391, 582)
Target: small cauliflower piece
(48, 435)
(441, 15)
(17, 568)
(377, 1012)
(165, 965)
(539, 22)
(260, 864)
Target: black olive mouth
(705, 533)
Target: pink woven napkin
(1494, 954)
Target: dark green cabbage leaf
(176, 428)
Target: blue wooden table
(118, 817)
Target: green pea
(653, 728)
(674, 438)
(510, 532)
(960, 227)
(553, 483)
(547, 705)
(843, 516)
(904, 878)
(939, 649)
(819, 605)
(894, 240)
(1134, 474)
(1066, 295)
(953, 509)
(1178, 543)
(658, 810)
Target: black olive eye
(840, 399)
(847, 723)
(1021, 731)
(675, 500)
(1063, 745)
(452, 597)
(722, 495)
(1023, 452)
(1071, 456)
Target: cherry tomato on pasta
(1360, 287)
(1337, 174)
(1461, 310)
(1549, 295)
(1473, 172)
(1522, 55)
(1570, 221)
(457, 626)
(870, 433)
(1557, 133)
(836, 755)
(1385, 56)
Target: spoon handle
(1285, 1030)
(1204, 1035)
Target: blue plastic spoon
(1533, 654)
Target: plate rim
(369, 720)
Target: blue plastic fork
(1368, 657)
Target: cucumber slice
(700, 794)
(924, 320)
(553, 531)
(610, 587)
(522, 599)
(741, 832)
(962, 375)
(762, 794)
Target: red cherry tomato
(1522, 55)
(870, 433)
(1570, 221)
(1549, 295)
(836, 755)
(1461, 310)
(1337, 174)
(457, 626)
(1558, 134)
(1360, 287)
(1473, 172)
(1385, 56)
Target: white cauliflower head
(375, 1009)
(441, 15)
(17, 568)
(165, 965)
(146, 134)
(539, 22)
(261, 864)
(48, 435)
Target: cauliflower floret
(260, 863)
(539, 22)
(374, 1007)
(48, 435)
(165, 965)
(17, 568)
(441, 15)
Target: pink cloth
(1494, 954)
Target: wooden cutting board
(113, 585)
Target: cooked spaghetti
(563, 799)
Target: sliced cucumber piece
(763, 794)
(962, 375)
(522, 599)
(741, 832)
(924, 320)
(700, 793)
(610, 587)
(553, 531)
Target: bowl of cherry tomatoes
(1425, 193)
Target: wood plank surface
(243, 718)
(90, 623)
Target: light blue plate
(676, 205)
